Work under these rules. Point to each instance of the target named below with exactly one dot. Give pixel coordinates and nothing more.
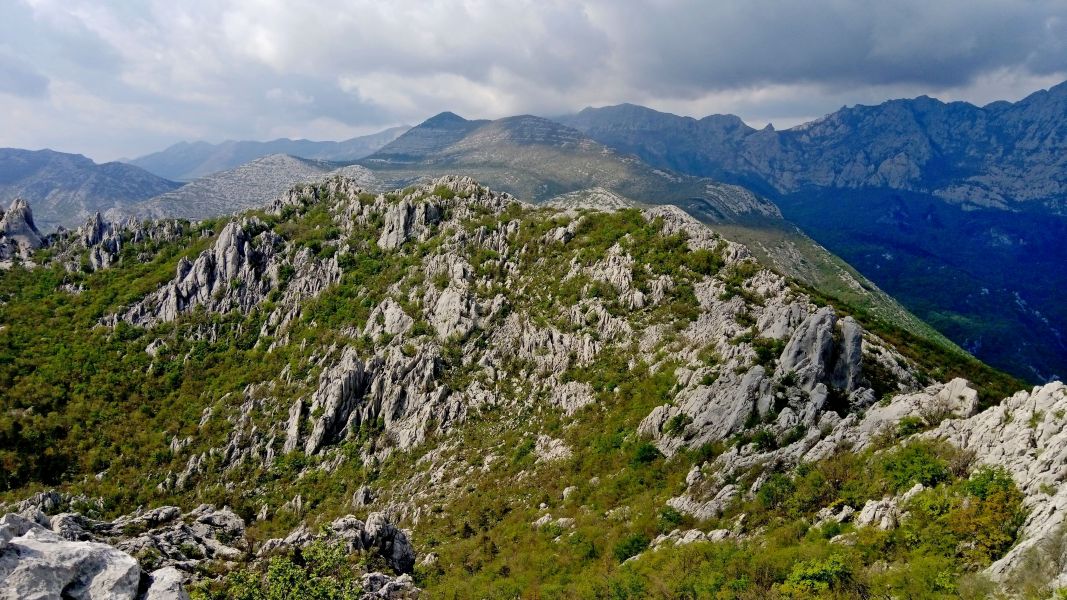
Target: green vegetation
(315, 572)
(78, 398)
(939, 361)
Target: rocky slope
(242, 188)
(188, 161)
(538, 160)
(65, 189)
(529, 391)
(956, 210)
(151, 554)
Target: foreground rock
(1027, 435)
(153, 554)
(36, 562)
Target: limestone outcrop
(18, 233)
(378, 535)
(36, 562)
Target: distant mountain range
(66, 189)
(960, 211)
(248, 186)
(186, 161)
(538, 159)
(1001, 155)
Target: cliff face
(461, 362)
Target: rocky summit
(442, 391)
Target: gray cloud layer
(128, 78)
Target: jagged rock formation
(417, 325)
(18, 233)
(808, 354)
(235, 264)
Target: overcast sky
(124, 78)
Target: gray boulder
(810, 349)
(19, 236)
(166, 584)
(36, 563)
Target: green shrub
(767, 350)
(775, 491)
(669, 519)
(910, 425)
(645, 453)
(705, 262)
(816, 577)
(444, 192)
(764, 440)
(916, 462)
(630, 546)
(319, 572)
(676, 424)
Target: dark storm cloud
(116, 79)
(688, 47)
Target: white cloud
(114, 79)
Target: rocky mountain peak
(19, 236)
(444, 120)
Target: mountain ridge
(624, 392)
(747, 154)
(65, 189)
(186, 161)
(539, 160)
(897, 189)
(248, 186)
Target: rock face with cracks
(18, 234)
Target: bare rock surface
(19, 236)
(37, 563)
(378, 535)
